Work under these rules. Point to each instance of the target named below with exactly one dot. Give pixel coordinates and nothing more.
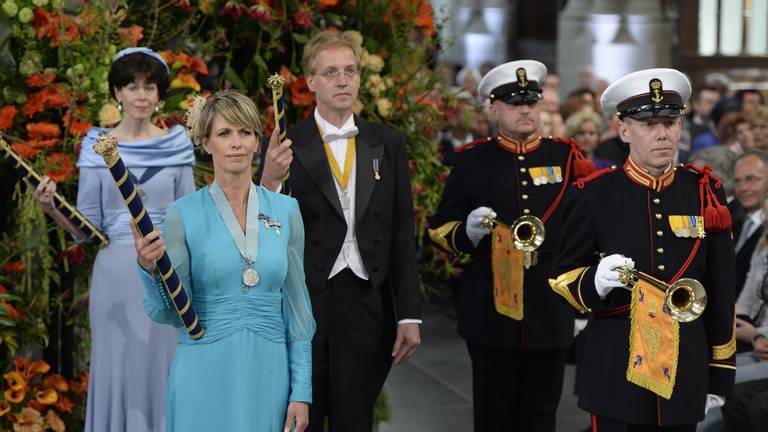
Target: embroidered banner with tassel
(653, 341)
(507, 263)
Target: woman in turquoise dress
(238, 249)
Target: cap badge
(521, 77)
(657, 92)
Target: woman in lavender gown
(130, 354)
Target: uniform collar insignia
(643, 178)
(515, 146)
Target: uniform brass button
(661, 267)
(522, 170)
(526, 211)
(656, 201)
(658, 216)
(524, 196)
(521, 157)
(660, 250)
(524, 182)
(660, 233)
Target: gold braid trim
(560, 286)
(440, 234)
(724, 366)
(722, 352)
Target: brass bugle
(685, 299)
(527, 231)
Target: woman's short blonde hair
(232, 106)
(575, 121)
(324, 40)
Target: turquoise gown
(255, 356)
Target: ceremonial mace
(276, 83)
(106, 146)
(67, 209)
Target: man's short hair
(752, 152)
(324, 40)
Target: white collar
(328, 128)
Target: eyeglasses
(333, 74)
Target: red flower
(62, 164)
(287, 75)
(55, 26)
(300, 94)
(74, 255)
(64, 404)
(11, 311)
(327, 3)
(303, 17)
(24, 150)
(182, 4)
(131, 35)
(44, 143)
(77, 127)
(234, 10)
(260, 11)
(55, 96)
(13, 267)
(43, 130)
(7, 114)
(424, 20)
(38, 80)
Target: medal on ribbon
(545, 175)
(247, 243)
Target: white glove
(713, 401)
(475, 229)
(606, 276)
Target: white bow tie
(340, 134)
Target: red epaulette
(582, 167)
(580, 183)
(716, 216)
(469, 145)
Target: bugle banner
(67, 209)
(507, 264)
(106, 146)
(653, 341)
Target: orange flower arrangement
(54, 96)
(35, 401)
(62, 164)
(7, 114)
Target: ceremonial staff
(67, 209)
(106, 146)
(276, 82)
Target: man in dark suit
(750, 174)
(518, 353)
(351, 179)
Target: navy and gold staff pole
(106, 146)
(276, 82)
(67, 209)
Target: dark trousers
(516, 390)
(349, 359)
(602, 424)
(747, 409)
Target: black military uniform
(627, 211)
(517, 365)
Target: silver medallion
(250, 277)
